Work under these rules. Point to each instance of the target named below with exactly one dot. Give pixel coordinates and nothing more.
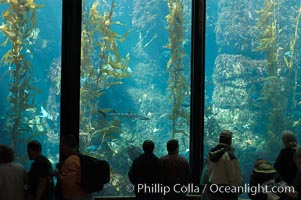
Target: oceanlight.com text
(253, 190)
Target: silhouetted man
(145, 172)
(176, 171)
(40, 183)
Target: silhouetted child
(265, 176)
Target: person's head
(289, 139)
(173, 146)
(148, 146)
(225, 137)
(34, 149)
(297, 159)
(68, 144)
(6, 154)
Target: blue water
(144, 93)
(43, 51)
(232, 35)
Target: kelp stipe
(279, 90)
(97, 79)
(20, 30)
(177, 82)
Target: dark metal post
(70, 84)
(197, 88)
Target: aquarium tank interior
(134, 81)
(132, 77)
(30, 37)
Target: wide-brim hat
(265, 168)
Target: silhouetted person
(285, 164)
(40, 176)
(70, 172)
(12, 176)
(223, 168)
(146, 172)
(265, 175)
(296, 183)
(176, 171)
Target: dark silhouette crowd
(38, 183)
(281, 181)
(166, 178)
(156, 178)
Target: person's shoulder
(72, 158)
(138, 159)
(184, 161)
(143, 158)
(287, 150)
(41, 159)
(217, 147)
(230, 155)
(18, 165)
(182, 158)
(162, 158)
(154, 160)
(4, 165)
(11, 165)
(38, 162)
(291, 151)
(72, 161)
(178, 158)
(153, 157)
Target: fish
(129, 115)
(246, 126)
(45, 114)
(249, 142)
(250, 15)
(288, 54)
(297, 123)
(154, 37)
(92, 148)
(34, 33)
(155, 130)
(44, 44)
(163, 115)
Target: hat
(265, 168)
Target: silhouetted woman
(285, 164)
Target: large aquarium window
(252, 76)
(135, 81)
(30, 49)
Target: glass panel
(252, 76)
(135, 81)
(30, 35)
